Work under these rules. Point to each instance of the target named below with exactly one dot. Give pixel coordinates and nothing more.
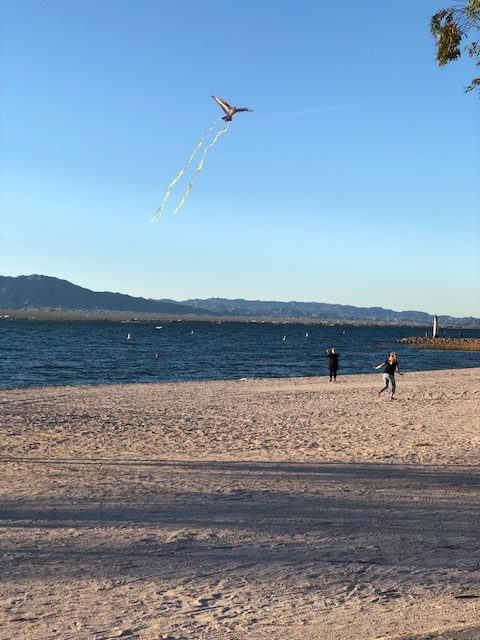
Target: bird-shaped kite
(229, 110)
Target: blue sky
(355, 180)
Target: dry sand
(281, 509)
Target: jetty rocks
(463, 344)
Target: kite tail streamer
(158, 213)
(198, 169)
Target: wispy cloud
(316, 110)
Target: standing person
(390, 367)
(333, 358)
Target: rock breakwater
(463, 344)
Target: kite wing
(229, 110)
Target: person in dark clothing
(333, 359)
(390, 367)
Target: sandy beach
(281, 509)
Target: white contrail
(317, 110)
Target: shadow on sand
(145, 517)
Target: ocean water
(47, 353)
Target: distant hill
(322, 311)
(47, 293)
(37, 292)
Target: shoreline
(256, 508)
(9, 315)
(347, 377)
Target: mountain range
(39, 292)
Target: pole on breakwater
(435, 327)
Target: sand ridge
(290, 508)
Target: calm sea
(37, 353)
